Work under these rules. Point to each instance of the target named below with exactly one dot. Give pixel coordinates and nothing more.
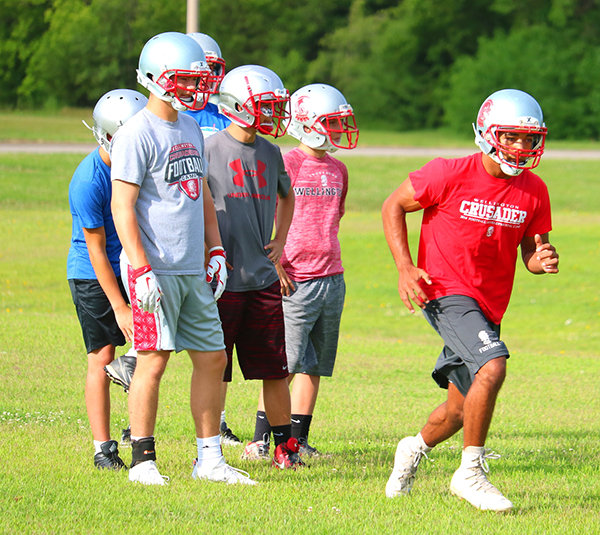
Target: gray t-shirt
(167, 161)
(244, 179)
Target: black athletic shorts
(470, 340)
(96, 316)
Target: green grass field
(65, 126)
(546, 425)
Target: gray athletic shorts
(312, 317)
(187, 318)
(470, 340)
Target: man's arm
(147, 290)
(212, 237)
(285, 213)
(95, 240)
(393, 213)
(124, 197)
(539, 256)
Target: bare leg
(475, 410)
(143, 391)
(446, 420)
(481, 400)
(97, 393)
(277, 401)
(304, 393)
(206, 391)
(223, 395)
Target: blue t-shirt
(209, 119)
(89, 199)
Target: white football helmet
(112, 111)
(322, 118)
(213, 57)
(254, 96)
(510, 110)
(165, 59)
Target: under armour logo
(240, 173)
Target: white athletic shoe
(471, 483)
(408, 456)
(147, 473)
(222, 472)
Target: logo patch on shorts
(484, 336)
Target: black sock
(262, 426)
(301, 425)
(142, 450)
(282, 433)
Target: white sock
(424, 447)
(470, 456)
(97, 445)
(222, 417)
(209, 450)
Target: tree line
(403, 65)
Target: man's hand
(546, 255)
(275, 249)
(147, 290)
(124, 319)
(287, 286)
(408, 287)
(217, 270)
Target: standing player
(209, 118)
(311, 272)
(246, 175)
(164, 215)
(477, 211)
(93, 267)
(210, 121)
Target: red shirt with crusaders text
(473, 224)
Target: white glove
(217, 270)
(147, 290)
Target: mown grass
(65, 126)
(546, 425)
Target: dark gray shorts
(470, 340)
(312, 316)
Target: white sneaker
(222, 472)
(471, 483)
(147, 473)
(408, 457)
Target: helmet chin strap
(504, 167)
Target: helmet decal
(301, 113)
(484, 112)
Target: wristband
(140, 271)
(217, 251)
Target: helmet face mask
(322, 119)
(510, 129)
(112, 111)
(168, 58)
(214, 59)
(252, 96)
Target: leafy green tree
(552, 64)
(283, 35)
(392, 64)
(92, 46)
(22, 25)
